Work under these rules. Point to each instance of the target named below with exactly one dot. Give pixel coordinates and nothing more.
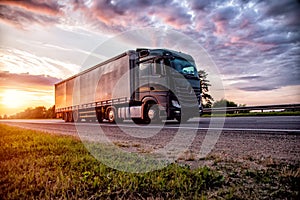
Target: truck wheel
(152, 114)
(137, 120)
(76, 116)
(70, 117)
(65, 117)
(111, 116)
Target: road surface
(264, 124)
(240, 137)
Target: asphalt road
(264, 124)
(239, 138)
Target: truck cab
(169, 80)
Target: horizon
(255, 45)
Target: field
(37, 165)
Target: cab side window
(144, 69)
(158, 67)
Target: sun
(13, 98)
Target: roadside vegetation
(40, 112)
(36, 165)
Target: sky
(255, 45)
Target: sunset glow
(254, 44)
(14, 98)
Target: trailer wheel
(65, 117)
(111, 115)
(76, 116)
(70, 117)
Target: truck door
(153, 79)
(158, 84)
(157, 78)
(144, 75)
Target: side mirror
(144, 53)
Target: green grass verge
(36, 165)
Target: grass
(36, 165)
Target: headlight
(176, 104)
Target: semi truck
(142, 85)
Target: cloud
(258, 88)
(26, 81)
(19, 61)
(121, 15)
(283, 9)
(20, 13)
(269, 78)
(248, 40)
(251, 77)
(254, 43)
(45, 7)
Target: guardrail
(290, 107)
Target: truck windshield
(185, 67)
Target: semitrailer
(143, 85)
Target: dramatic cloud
(45, 7)
(18, 61)
(252, 38)
(255, 44)
(11, 80)
(118, 15)
(20, 13)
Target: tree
(50, 113)
(225, 103)
(39, 112)
(207, 99)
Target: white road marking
(194, 128)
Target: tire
(111, 115)
(70, 117)
(65, 117)
(151, 114)
(76, 116)
(137, 120)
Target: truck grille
(188, 95)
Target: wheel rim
(75, 116)
(151, 113)
(111, 116)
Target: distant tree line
(40, 112)
(226, 103)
